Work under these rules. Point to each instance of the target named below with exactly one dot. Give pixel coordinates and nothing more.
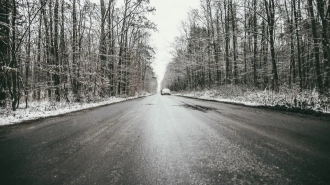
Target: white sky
(168, 17)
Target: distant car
(165, 91)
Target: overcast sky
(168, 17)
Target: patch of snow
(293, 99)
(44, 109)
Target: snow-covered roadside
(44, 109)
(310, 101)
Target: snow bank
(43, 109)
(289, 99)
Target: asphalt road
(168, 140)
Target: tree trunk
(270, 11)
(255, 43)
(210, 32)
(122, 51)
(63, 60)
(227, 42)
(233, 22)
(56, 53)
(292, 70)
(298, 44)
(316, 46)
(4, 50)
(217, 50)
(264, 53)
(74, 81)
(325, 18)
(111, 50)
(50, 61)
(47, 46)
(245, 44)
(13, 64)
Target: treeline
(267, 44)
(74, 50)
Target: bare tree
(315, 46)
(270, 12)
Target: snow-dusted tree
(271, 44)
(71, 50)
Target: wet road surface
(168, 140)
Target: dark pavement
(168, 140)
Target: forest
(74, 50)
(254, 45)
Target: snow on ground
(294, 100)
(44, 109)
(288, 99)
